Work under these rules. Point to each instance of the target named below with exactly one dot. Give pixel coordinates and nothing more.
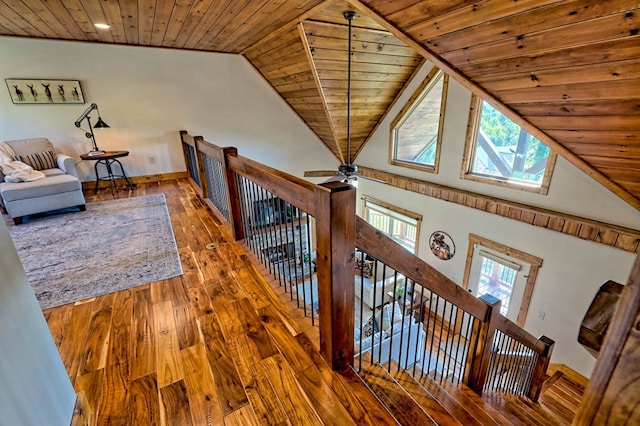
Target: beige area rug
(112, 246)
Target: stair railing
(452, 335)
(466, 338)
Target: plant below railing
(382, 302)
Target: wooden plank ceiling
(308, 67)
(571, 68)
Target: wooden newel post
(482, 356)
(335, 230)
(540, 372)
(232, 194)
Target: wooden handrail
(380, 246)
(296, 191)
(212, 150)
(511, 329)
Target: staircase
(424, 401)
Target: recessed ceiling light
(102, 26)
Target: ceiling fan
(347, 172)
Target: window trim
(469, 151)
(476, 242)
(408, 109)
(399, 210)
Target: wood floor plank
(82, 413)
(326, 403)
(203, 401)
(74, 337)
(171, 289)
(167, 351)
(122, 312)
(253, 328)
(229, 389)
(186, 326)
(198, 297)
(242, 417)
(210, 265)
(174, 405)
(90, 387)
(266, 405)
(190, 267)
(95, 349)
(287, 343)
(114, 400)
(228, 319)
(143, 401)
(143, 337)
(58, 320)
(282, 378)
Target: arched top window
(416, 133)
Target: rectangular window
(500, 151)
(416, 133)
(399, 224)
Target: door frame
(534, 261)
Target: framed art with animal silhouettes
(39, 91)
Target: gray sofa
(60, 188)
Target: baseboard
(91, 184)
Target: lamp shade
(100, 124)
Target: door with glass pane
(500, 276)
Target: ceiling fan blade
(321, 173)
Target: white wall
(571, 190)
(147, 95)
(34, 386)
(572, 269)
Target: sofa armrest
(67, 164)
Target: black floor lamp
(99, 124)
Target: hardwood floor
(213, 346)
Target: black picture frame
(44, 91)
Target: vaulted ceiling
(568, 71)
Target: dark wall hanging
(38, 91)
(442, 245)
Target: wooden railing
(306, 235)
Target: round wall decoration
(442, 245)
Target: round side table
(108, 158)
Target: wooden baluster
(540, 372)
(233, 196)
(335, 230)
(479, 360)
